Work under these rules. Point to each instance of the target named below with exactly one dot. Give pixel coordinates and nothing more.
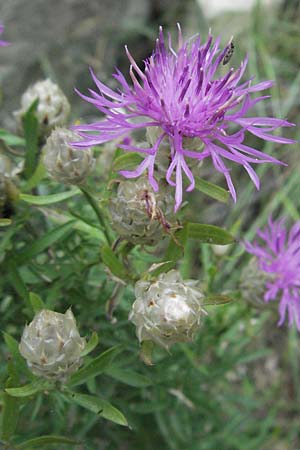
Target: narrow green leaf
(98, 406)
(13, 347)
(31, 134)
(10, 413)
(11, 139)
(176, 246)
(217, 300)
(44, 440)
(209, 234)
(29, 389)
(5, 222)
(128, 161)
(17, 281)
(212, 190)
(94, 367)
(36, 177)
(174, 252)
(128, 377)
(36, 302)
(112, 262)
(43, 200)
(92, 343)
(41, 244)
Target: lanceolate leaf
(31, 134)
(10, 413)
(112, 262)
(29, 389)
(11, 139)
(13, 347)
(129, 377)
(127, 162)
(92, 343)
(209, 234)
(41, 244)
(45, 440)
(97, 406)
(217, 300)
(36, 302)
(94, 367)
(212, 190)
(43, 200)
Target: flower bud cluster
(64, 163)
(51, 345)
(168, 310)
(53, 107)
(138, 214)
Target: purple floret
(180, 93)
(279, 256)
(3, 43)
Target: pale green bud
(64, 163)
(168, 310)
(53, 108)
(139, 214)
(51, 345)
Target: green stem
(94, 204)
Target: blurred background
(238, 387)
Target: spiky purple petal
(180, 93)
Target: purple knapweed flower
(3, 43)
(180, 94)
(279, 257)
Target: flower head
(51, 345)
(279, 258)
(138, 214)
(64, 163)
(53, 108)
(3, 43)
(168, 310)
(180, 93)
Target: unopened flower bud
(168, 310)
(51, 345)
(139, 214)
(64, 163)
(53, 107)
(253, 284)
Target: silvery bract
(51, 345)
(140, 215)
(168, 310)
(53, 107)
(64, 163)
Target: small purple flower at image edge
(278, 255)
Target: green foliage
(57, 250)
(31, 134)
